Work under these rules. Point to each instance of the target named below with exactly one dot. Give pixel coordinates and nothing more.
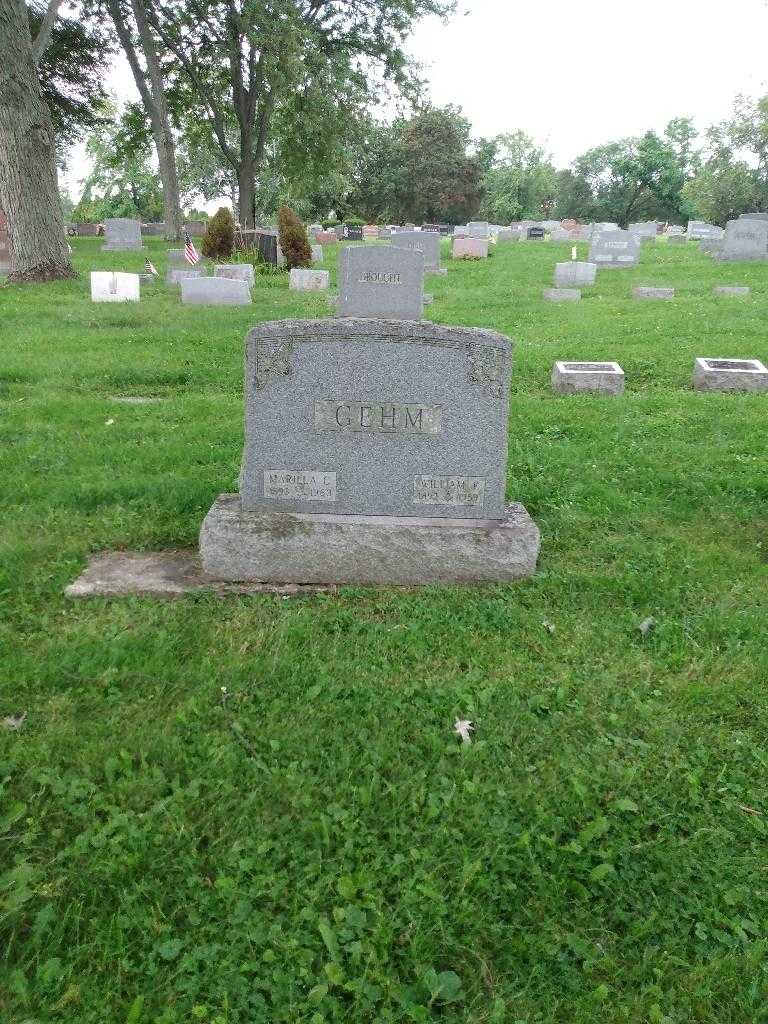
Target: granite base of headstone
(730, 375)
(214, 291)
(587, 378)
(375, 453)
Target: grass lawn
(311, 845)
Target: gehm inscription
(378, 417)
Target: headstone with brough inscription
(375, 452)
(381, 281)
(615, 249)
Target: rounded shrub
(219, 236)
(297, 251)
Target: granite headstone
(120, 234)
(381, 281)
(615, 249)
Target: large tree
(520, 180)
(309, 67)
(142, 51)
(29, 192)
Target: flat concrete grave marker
(305, 280)
(110, 286)
(375, 452)
(744, 241)
(470, 248)
(214, 291)
(581, 378)
(121, 233)
(730, 291)
(562, 295)
(612, 250)
(235, 271)
(574, 274)
(426, 242)
(653, 293)
(730, 375)
(381, 281)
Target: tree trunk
(29, 191)
(161, 127)
(155, 104)
(246, 194)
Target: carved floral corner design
(486, 368)
(272, 360)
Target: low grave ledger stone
(121, 234)
(375, 452)
(235, 271)
(214, 291)
(613, 250)
(562, 295)
(583, 378)
(730, 291)
(304, 280)
(730, 375)
(653, 293)
(381, 281)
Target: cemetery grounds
(254, 809)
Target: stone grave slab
(478, 229)
(121, 234)
(235, 271)
(730, 375)
(575, 274)
(375, 452)
(535, 234)
(426, 242)
(304, 280)
(214, 291)
(381, 281)
(562, 295)
(700, 229)
(572, 378)
(326, 237)
(730, 291)
(109, 286)
(614, 250)
(317, 254)
(83, 230)
(653, 293)
(745, 241)
(174, 275)
(465, 248)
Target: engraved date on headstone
(448, 490)
(378, 417)
(308, 485)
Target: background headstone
(381, 281)
(470, 248)
(110, 286)
(573, 274)
(214, 291)
(305, 280)
(426, 242)
(236, 271)
(121, 233)
(744, 241)
(615, 249)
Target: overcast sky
(576, 73)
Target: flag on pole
(190, 252)
(149, 268)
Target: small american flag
(150, 268)
(190, 252)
